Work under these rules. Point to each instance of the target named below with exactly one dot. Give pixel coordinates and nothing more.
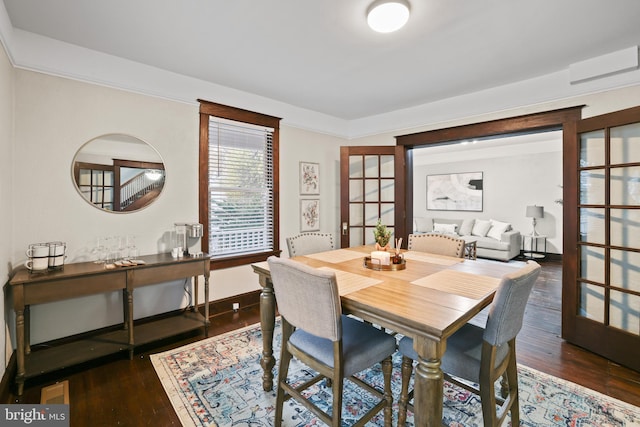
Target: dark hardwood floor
(122, 392)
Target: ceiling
(320, 55)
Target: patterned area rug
(218, 382)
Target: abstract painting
(455, 192)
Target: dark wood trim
(203, 178)
(400, 189)
(618, 118)
(235, 261)
(225, 305)
(520, 124)
(570, 193)
(403, 192)
(238, 114)
(207, 109)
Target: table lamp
(535, 212)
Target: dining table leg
(428, 394)
(267, 325)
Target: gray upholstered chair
(483, 355)
(309, 243)
(440, 244)
(315, 332)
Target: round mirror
(118, 173)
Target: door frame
(402, 187)
(564, 119)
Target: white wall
(56, 116)
(6, 174)
(297, 146)
(514, 176)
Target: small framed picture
(309, 178)
(309, 215)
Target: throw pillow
(445, 228)
(466, 227)
(481, 227)
(497, 228)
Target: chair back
(307, 298)
(507, 309)
(309, 243)
(439, 244)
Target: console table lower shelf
(82, 279)
(61, 356)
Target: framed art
(455, 192)
(309, 178)
(309, 215)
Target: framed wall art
(455, 192)
(309, 178)
(309, 215)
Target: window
(238, 184)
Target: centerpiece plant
(382, 235)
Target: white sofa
(495, 239)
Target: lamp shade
(535, 212)
(385, 16)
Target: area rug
(218, 382)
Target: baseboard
(225, 305)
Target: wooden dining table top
(432, 297)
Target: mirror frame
(119, 160)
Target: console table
(88, 278)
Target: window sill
(235, 261)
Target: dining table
(427, 297)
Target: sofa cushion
(491, 243)
(421, 225)
(445, 228)
(497, 228)
(466, 227)
(481, 227)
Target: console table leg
(125, 309)
(129, 316)
(27, 329)
(20, 350)
(206, 305)
(194, 302)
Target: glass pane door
(368, 192)
(610, 227)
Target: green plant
(381, 234)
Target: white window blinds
(241, 214)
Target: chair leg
(283, 370)
(487, 397)
(386, 373)
(336, 415)
(512, 377)
(407, 370)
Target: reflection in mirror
(118, 173)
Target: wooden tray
(379, 267)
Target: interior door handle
(344, 228)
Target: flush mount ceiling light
(386, 16)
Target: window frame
(211, 109)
